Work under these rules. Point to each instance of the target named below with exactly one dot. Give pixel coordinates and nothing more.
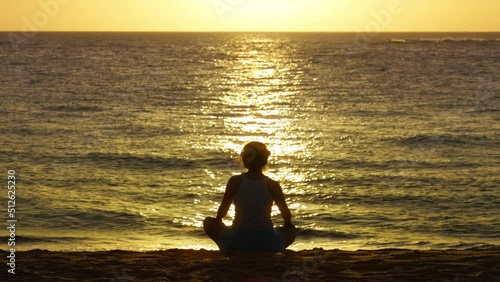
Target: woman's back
(253, 204)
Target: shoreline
(306, 265)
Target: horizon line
(233, 31)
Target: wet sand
(308, 265)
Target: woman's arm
(279, 199)
(231, 189)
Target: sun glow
(249, 15)
(270, 14)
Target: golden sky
(250, 15)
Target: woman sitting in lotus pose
(253, 194)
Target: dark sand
(313, 265)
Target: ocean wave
(312, 233)
(447, 140)
(26, 131)
(481, 111)
(127, 160)
(397, 40)
(467, 246)
(383, 165)
(46, 239)
(395, 165)
(137, 161)
(138, 131)
(406, 244)
(72, 108)
(92, 219)
(459, 40)
(444, 40)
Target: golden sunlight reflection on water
(261, 105)
(263, 100)
(256, 97)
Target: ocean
(126, 140)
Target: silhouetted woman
(253, 195)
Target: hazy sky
(250, 15)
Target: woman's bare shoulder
(235, 180)
(233, 184)
(237, 177)
(273, 184)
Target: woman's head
(254, 155)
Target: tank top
(253, 205)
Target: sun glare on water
(260, 81)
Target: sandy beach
(307, 265)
